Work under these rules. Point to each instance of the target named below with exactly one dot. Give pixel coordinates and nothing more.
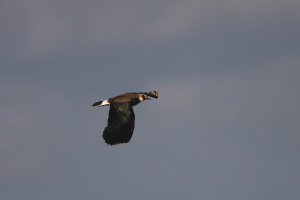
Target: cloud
(25, 112)
(47, 27)
(263, 7)
(178, 19)
(233, 96)
(227, 116)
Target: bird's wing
(120, 123)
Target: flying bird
(121, 117)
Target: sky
(225, 125)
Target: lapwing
(121, 117)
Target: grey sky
(225, 125)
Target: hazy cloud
(225, 125)
(42, 26)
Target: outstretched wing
(120, 123)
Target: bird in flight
(121, 117)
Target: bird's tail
(101, 103)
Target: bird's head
(143, 97)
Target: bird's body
(121, 116)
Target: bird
(121, 117)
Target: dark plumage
(121, 116)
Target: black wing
(120, 123)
